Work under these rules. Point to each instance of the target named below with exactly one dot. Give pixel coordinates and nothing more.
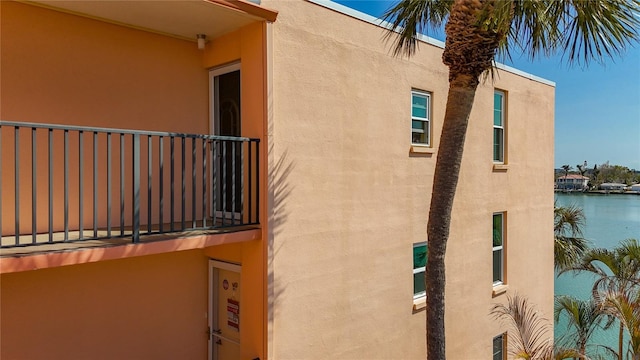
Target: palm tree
(582, 168)
(569, 245)
(476, 30)
(566, 169)
(625, 306)
(584, 316)
(529, 335)
(617, 272)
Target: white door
(225, 310)
(226, 120)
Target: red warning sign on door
(233, 314)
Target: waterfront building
(613, 186)
(572, 182)
(230, 180)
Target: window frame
(426, 119)
(502, 127)
(423, 269)
(500, 248)
(503, 350)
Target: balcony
(71, 184)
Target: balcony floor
(43, 245)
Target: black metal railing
(72, 183)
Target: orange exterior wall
(65, 69)
(152, 307)
(247, 45)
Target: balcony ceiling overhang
(179, 18)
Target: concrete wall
(350, 199)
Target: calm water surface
(610, 219)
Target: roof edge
(329, 4)
(249, 8)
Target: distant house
(613, 186)
(635, 187)
(572, 182)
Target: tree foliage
(569, 243)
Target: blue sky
(597, 115)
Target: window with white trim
(419, 268)
(498, 126)
(499, 345)
(420, 114)
(498, 248)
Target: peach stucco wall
(350, 200)
(65, 69)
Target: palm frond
(568, 220)
(625, 306)
(569, 245)
(583, 318)
(594, 30)
(408, 18)
(530, 338)
(532, 32)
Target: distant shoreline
(597, 192)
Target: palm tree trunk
(462, 90)
(620, 340)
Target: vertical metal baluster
(183, 182)
(80, 184)
(214, 179)
(257, 142)
(204, 182)
(233, 181)
(66, 185)
(50, 152)
(136, 188)
(173, 185)
(149, 179)
(250, 181)
(17, 183)
(122, 184)
(161, 169)
(193, 183)
(34, 192)
(224, 180)
(109, 184)
(241, 210)
(95, 184)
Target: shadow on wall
(279, 191)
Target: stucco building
(260, 194)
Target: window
(420, 126)
(498, 347)
(498, 248)
(498, 126)
(419, 267)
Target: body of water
(609, 220)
